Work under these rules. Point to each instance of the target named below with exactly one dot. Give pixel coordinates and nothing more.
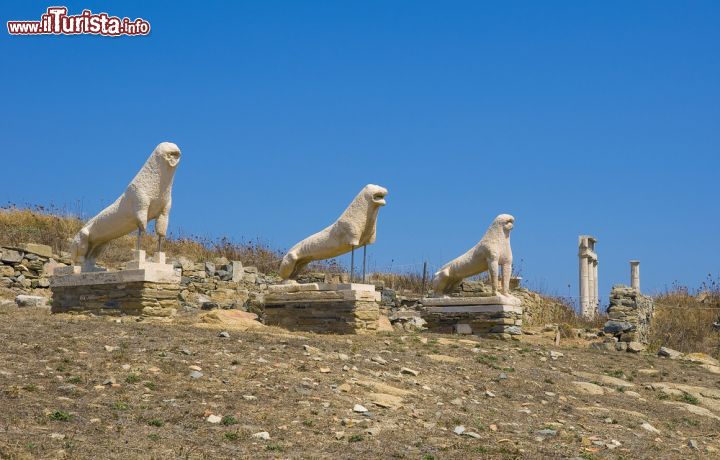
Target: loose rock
(646, 426)
(359, 408)
(264, 435)
(589, 388)
(666, 352)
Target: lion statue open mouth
(492, 252)
(355, 227)
(147, 198)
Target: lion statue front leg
(506, 274)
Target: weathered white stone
(635, 274)
(237, 271)
(138, 270)
(10, 256)
(67, 270)
(501, 303)
(42, 250)
(591, 284)
(596, 295)
(646, 426)
(475, 309)
(31, 301)
(287, 288)
(320, 296)
(588, 388)
(214, 419)
(493, 251)
(147, 198)
(588, 259)
(604, 379)
(354, 228)
(50, 266)
(359, 408)
(669, 353)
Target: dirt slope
(79, 387)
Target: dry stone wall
(630, 315)
(222, 284)
(28, 267)
(135, 298)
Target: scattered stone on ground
(139, 386)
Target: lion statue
(355, 227)
(148, 197)
(491, 252)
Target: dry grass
(410, 282)
(684, 321)
(39, 224)
(550, 309)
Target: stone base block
(469, 301)
(290, 288)
(472, 316)
(148, 289)
(323, 308)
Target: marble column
(635, 274)
(584, 286)
(596, 306)
(589, 298)
(591, 286)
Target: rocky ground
(93, 387)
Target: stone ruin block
(26, 266)
(630, 314)
(143, 288)
(487, 317)
(137, 298)
(323, 307)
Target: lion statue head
(169, 152)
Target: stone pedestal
(345, 308)
(497, 317)
(148, 288)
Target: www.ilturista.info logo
(57, 22)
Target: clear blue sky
(576, 117)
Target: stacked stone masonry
(26, 267)
(134, 298)
(630, 314)
(221, 284)
(499, 324)
(336, 310)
